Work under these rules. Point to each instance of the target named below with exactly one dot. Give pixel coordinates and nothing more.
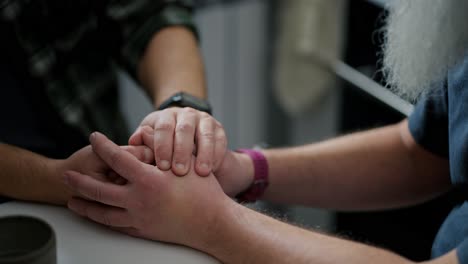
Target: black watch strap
(182, 99)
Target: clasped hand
(153, 204)
(179, 133)
(150, 201)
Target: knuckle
(167, 111)
(149, 118)
(149, 187)
(106, 219)
(163, 126)
(185, 127)
(96, 194)
(179, 152)
(189, 110)
(221, 141)
(161, 150)
(207, 134)
(204, 115)
(220, 137)
(181, 155)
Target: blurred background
(276, 78)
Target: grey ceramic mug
(26, 240)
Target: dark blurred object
(411, 231)
(26, 240)
(202, 3)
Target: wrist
(205, 231)
(248, 171)
(228, 238)
(260, 178)
(57, 192)
(235, 174)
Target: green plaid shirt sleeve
(72, 46)
(139, 20)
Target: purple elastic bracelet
(260, 183)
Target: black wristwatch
(182, 99)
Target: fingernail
(204, 166)
(164, 164)
(180, 166)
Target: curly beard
(423, 40)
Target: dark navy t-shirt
(439, 123)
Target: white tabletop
(81, 241)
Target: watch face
(177, 98)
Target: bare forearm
(172, 63)
(246, 236)
(25, 175)
(380, 168)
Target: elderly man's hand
(179, 133)
(153, 204)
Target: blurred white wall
(234, 38)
